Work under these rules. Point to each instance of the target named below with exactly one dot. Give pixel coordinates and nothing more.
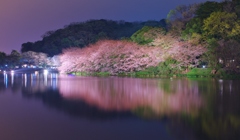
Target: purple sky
(26, 20)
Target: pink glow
(124, 94)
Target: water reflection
(200, 108)
(39, 81)
(145, 97)
(30, 81)
(5, 79)
(123, 94)
(8, 78)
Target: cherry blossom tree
(34, 58)
(123, 57)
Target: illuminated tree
(109, 56)
(222, 24)
(34, 58)
(124, 57)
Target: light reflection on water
(193, 108)
(130, 93)
(118, 94)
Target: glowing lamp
(45, 71)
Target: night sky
(27, 20)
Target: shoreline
(28, 70)
(134, 75)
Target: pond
(49, 106)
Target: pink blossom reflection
(163, 96)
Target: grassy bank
(152, 73)
(91, 74)
(200, 72)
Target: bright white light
(36, 72)
(4, 72)
(204, 66)
(45, 71)
(12, 71)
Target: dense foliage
(85, 33)
(215, 25)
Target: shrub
(195, 72)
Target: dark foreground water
(51, 107)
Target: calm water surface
(38, 106)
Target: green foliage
(210, 55)
(167, 68)
(80, 73)
(207, 8)
(148, 72)
(193, 26)
(101, 74)
(196, 72)
(222, 25)
(139, 36)
(217, 26)
(147, 34)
